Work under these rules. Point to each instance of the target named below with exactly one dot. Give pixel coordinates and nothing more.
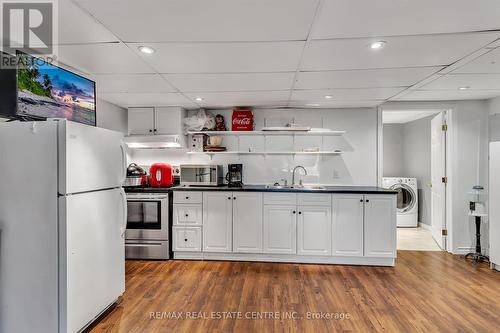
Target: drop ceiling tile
(318, 96)
(473, 81)
(223, 57)
(361, 18)
(335, 104)
(110, 58)
(448, 95)
(195, 20)
(145, 100)
(231, 82)
(407, 51)
(487, 63)
(242, 98)
(77, 26)
(367, 78)
(134, 83)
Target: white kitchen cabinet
(140, 121)
(247, 222)
(314, 230)
(280, 229)
(187, 214)
(380, 226)
(217, 221)
(347, 224)
(156, 121)
(188, 197)
(186, 239)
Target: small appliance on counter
(234, 175)
(161, 175)
(201, 175)
(136, 176)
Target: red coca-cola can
(242, 120)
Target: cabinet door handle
(155, 130)
(300, 213)
(228, 198)
(234, 198)
(150, 131)
(187, 198)
(294, 212)
(187, 215)
(367, 200)
(361, 200)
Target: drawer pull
(185, 239)
(187, 198)
(187, 215)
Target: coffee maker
(234, 175)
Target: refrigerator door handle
(124, 161)
(124, 201)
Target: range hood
(154, 141)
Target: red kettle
(160, 175)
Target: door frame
(450, 138)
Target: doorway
(414, 145)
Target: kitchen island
(354, 225)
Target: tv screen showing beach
(48, 91)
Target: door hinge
(444, 232)
(444, 127)
(444, 180)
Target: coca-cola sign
(242, 120)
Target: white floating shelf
(313, 132)
(266, 153)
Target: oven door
(147, 217)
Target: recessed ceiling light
(146, 49)
(463, 88)
(198, 99)
(328, 96)
(378, 45)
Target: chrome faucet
(293, 174)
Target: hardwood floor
(425, 292)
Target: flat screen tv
(48, 91)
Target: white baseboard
(464, 250)
(365, 261)
(424, 226)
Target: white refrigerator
(494, 206)
(62, 225)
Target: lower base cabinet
(247, 222)
(314, 230)
(186, 239)
(380, 226)
(347, 225)
(280, 229)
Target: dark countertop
(264, 188)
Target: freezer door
(28, 227)
(92, 255)
(90, 158)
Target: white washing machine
(407, 201)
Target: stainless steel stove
(148, 223)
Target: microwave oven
(201, 175)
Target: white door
(438, 187)
(140, 121)
(314, 230)
(92, 254)
(494, 218)
(217, 221)
(280, 229)
(347, 225)
(380, 226)
(247, 222)
(90, 158)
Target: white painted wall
(494, 111)
(357, 166)
(393, 150)
(111, 116)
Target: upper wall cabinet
(155, 121)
